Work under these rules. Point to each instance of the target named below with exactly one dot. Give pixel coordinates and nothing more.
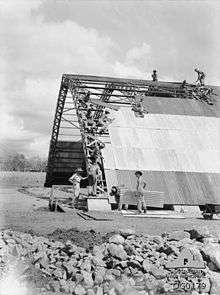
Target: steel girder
(109, 90)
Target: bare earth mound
(85, 239)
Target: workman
(89, 124)
(200, 78)
(115, 192)
(104, 121)
(138, 104)
(140, 188)
(94, 172)
(75, 179)
(183, 85)
(154, 76)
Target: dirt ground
(19, 178)
(25, 213)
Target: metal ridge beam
(103, 79)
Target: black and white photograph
(109, 147)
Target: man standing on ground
(75, 179)
(140, 187)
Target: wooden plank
(82, 215)
(98, 204)
(97, 215)
(153, 215)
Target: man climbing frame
(94, 174)
(95, 151)
(138, 105)
(104, 122)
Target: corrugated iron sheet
(111, 178)
(190, 107)
(152, 198)
(178, 187)
(163, 143)
(125, 118)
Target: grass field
(18, 179)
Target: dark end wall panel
(69, 156)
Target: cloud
(34, 56)
(13, 9)
(8, 122)
(15, 138)
(35, 50)
(129, 71)
(12, 130)
(138, 53)
(136, 58)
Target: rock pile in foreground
(126, 264)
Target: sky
(42, 39)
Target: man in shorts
(94, 173)
(140, 188)
(75, 179)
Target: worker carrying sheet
(140, 188)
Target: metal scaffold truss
(82, 117)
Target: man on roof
(201, 77)
(154, 76)
(138, 104)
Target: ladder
(90, 138)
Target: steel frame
(109, 90)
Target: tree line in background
(18, 162)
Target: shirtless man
(140, 187)
(93, 173)
(201, 77)
(138, 104)
(104, 121)
(75, 179)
